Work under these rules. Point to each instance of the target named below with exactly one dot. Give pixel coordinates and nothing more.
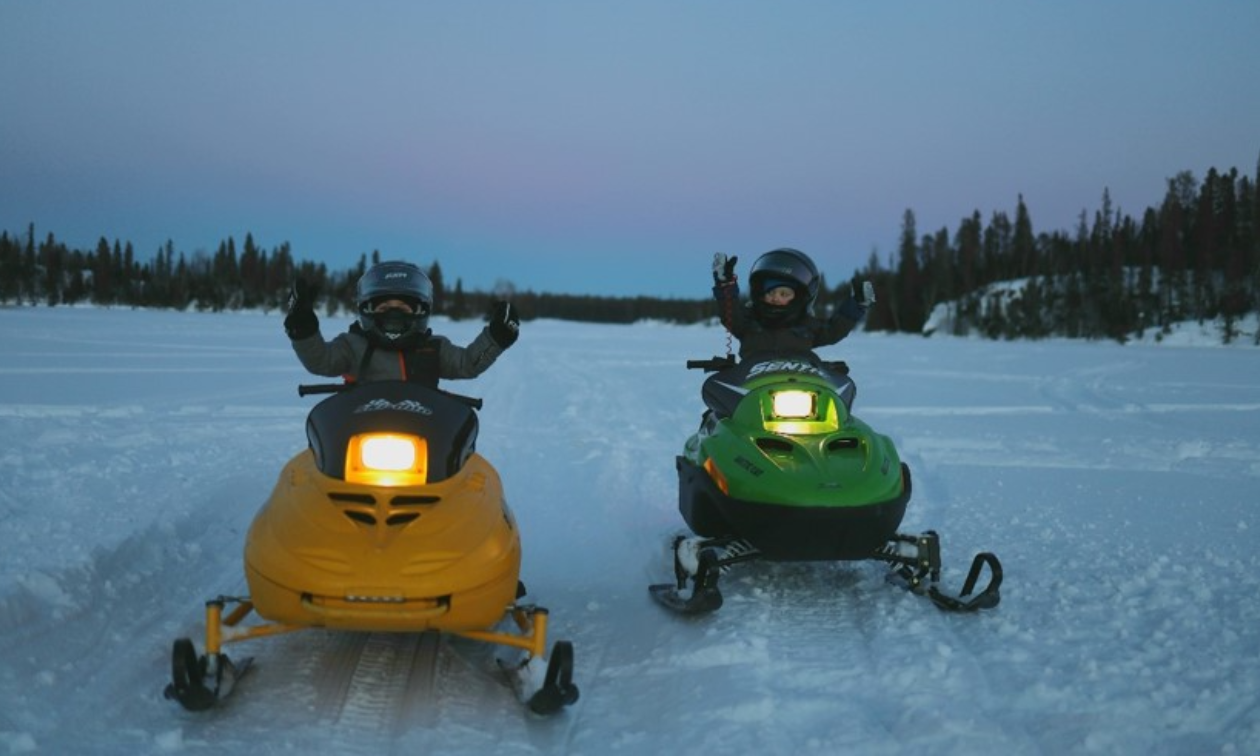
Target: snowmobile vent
(411, 501)
(388, 516)
(401, 519)
(774, 446)
(843, 444)
(368, 518)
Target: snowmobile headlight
(799, 412)
(387, 459)
(793, 405)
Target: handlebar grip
(322, 388)
(711, 365)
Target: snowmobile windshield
(723, 390)
(447, 426)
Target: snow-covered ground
(1119, 484)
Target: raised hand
(505, 324)
(855, 307)
(301, 322)
(724, 269)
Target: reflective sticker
(384, 405)
(784, 366)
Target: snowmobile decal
(384, 405)
(784, 366)
(737, 389)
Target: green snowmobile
(781, 470)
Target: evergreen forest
(1196, 257)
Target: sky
(1116, 483)
(605, 148)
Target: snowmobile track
(377, 686)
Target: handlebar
(715, 364)
(308, 389)
(322, 388)
(711, 365)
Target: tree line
(1195, 257)
(35, 270)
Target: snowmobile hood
(780, 432)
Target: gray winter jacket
(432, 358)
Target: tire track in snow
(377, 686)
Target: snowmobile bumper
(847, 530)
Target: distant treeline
(1195, 257)
(246, 276)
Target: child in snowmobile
(778, 318)
(391, 339)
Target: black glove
(724, 269)
(301, 322)
(855, 307)
(505, 325)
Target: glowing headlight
(795, 405)
(388, 453)
(387, 459)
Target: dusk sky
(605, 147)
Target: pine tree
(905, 316)
(439, 287)
(102, 275)
(51, 261)
(1023, 245)
(459, 305)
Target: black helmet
(394, 280)
(783, 267)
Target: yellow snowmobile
(389, 522)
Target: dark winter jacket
(799, 337)
(431, 358)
